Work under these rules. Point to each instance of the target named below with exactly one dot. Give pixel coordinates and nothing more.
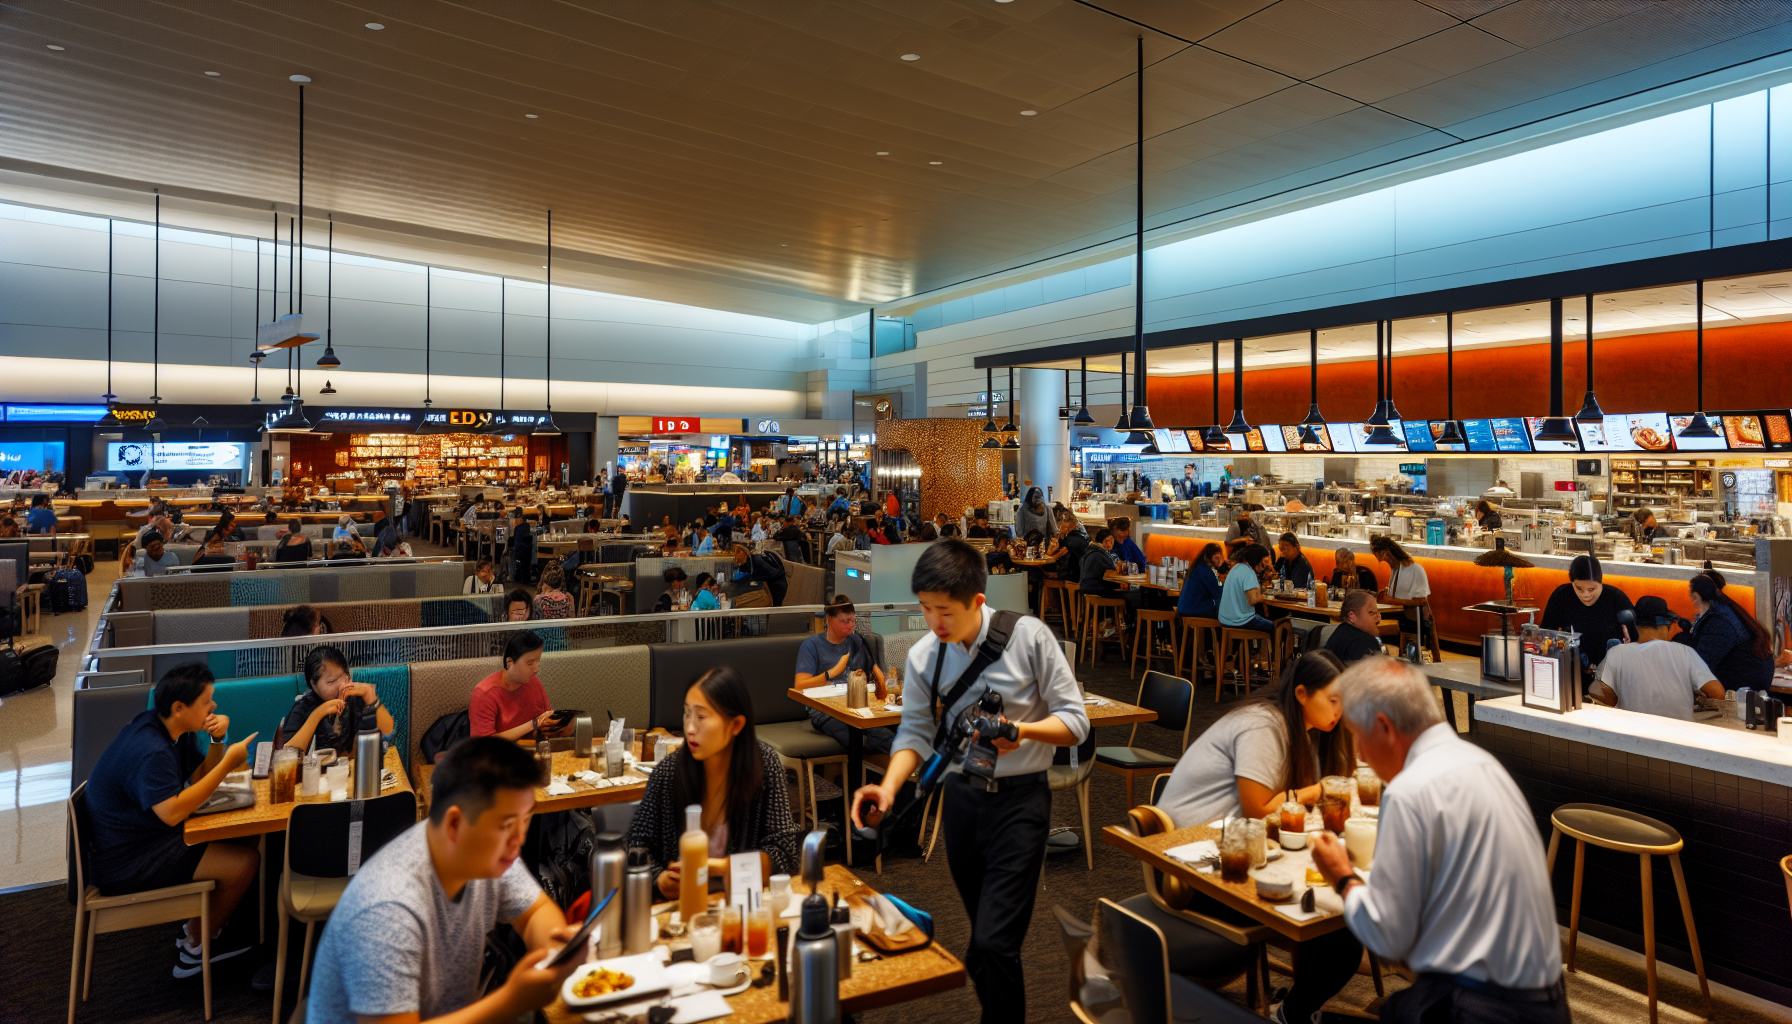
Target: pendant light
(1083, 418)
(1214, 437)
(1125, 422)
(156, 423)
(1309, 427)
(1589, 406)
(428, 426)
(293, 421)
(1141, 416)
(1238, 424)
(549, 428)
(328, 359)
(1066, 410)
(1555, 426)
(1452, 430)
(1380, 430)
(1700, 426)
(990, 430)
(256, 357)
(1393, 410)
(501, 425)
(325, 390)
(110, 419)
(1013, 442)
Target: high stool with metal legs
(1626, 832)
(1093, 606)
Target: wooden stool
(1626, 832)
(1066, 606)
(1142, 633)
(1198, 635)
(1242, 637)
(1092, 638)
(31, 607)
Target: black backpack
(443, 733)
(566, 841)
(767, 567)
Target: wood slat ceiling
(724, 152)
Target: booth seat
(767, 664)
(373, 582)
(260, 705)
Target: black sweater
(1596, 623)
(769, 827)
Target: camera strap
(990, 651)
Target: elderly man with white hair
(1459, 891)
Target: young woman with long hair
(1737, 648)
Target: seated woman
(676, 596)
(1588, 606)
(331, 708)
(708, 593)
(518, 606)
(1243, 590)
(832, 655)
(345, 529)
(1347, 575)
(295, 546)
(1486, 516)
(552, 602)
(510, 702)
(304, 620)
(762, 568)
(737, 780)
(1245, 764)
(1735, 646)
(213, 554)
(1200, 597)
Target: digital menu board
(1273, 438)
(1679, 422)
(1534, 424)
(1419, 437)
(1646, 431)
(1596, 437)
(1437, 429)
(1192, 438)
(1743, 433)
(1171, 441)
(1778, 428)
(1291, 439)
(1480, 435)
(1253, 441)
(1509, 434)
(127, 456)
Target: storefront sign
(770, 427)
(56, 413)
(369, 417)
(677, 425)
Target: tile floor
(34, 749)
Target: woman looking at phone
(331, 708)
(510, 702)
(738, 781)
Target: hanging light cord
(155, 378)
(550, 324)
(427, 305)
(109, 395)
(1450, 364)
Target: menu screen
(1480, 435)
(1778, 428)
(1171, 441)
(1535, 423)
(1291, 439)
(1648, 431)
(1744, 432)
(1192, 438)
(1509, 435)
(1437, 429)
(1419, 437)
(1274, 438)
(1695, 444)
(1253, 440)
(1608, 436)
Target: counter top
(1715, 743)
(1466, 676)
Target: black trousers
(995, 846)
(1440, 999)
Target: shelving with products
(1640, 482)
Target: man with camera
(998, 669)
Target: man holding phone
(150, 779)
(406, 941)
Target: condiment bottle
(815, 967)
(693, 859)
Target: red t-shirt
(494, 709)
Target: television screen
(1534, 423)
(1509, 434)
(1480, 435)
(1192, 438)
(1419, 437)
(166, 455)
(1291, 439)
(1273, 437)
(1744, 432)
(1695, 444)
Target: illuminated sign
(55, 413)
(168, 455)
(770, 427)
(677, 424)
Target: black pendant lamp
(1380, 430)
(1555, 426)
(1214, 436)
(156, 424)
(1141, 416)
(1083, 418)
(110, 419)
(327, 389)
(548, 428)
(1309, 427)
(1589, 406)
(1125, 421)
(1238, 424)
(294, 421)
(991, 440)
(256, 357)
(1700, 426)
(1393, 410)
(501, 426)
(1065, 410)
(1012, 444)
(1452, 433)
(428, 426)
(328, 359)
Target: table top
(1033, 562)
(885, 982)
(267, 817)
(584, 794)
(1107, 712)
(1331, 610)
(1240, 896)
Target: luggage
(26, 665)
(85, 564)
(65, 590)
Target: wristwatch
(1341, 884)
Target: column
(603, 448)
(1044, 438)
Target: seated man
(1654, 676)
(149, 780)
(510, 703)
(1291, 563)
(406, 941)
(1347, 575)
(153, 559)
(829, 657)
(41, 518)
(1356, 637)
(1124, 548)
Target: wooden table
(885, 982)
(267, 817)
(584, 794)
(1240, 896)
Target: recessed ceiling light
(883, 152)
(906, 56)
(936, 163)
(214, 74)
(301, 79)
(1029, 113)
(532, 117)
(53, 46)
(376, 26)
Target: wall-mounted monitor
(1509, 434)
(1535, 423)
(1480, 435)
(1679, 423)
(1291, 439)
(168, 455)
(1744, 432)
(1419, 437)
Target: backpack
(443, 733)
(65, 590)
(766, 567)
(566, 841)
(27, 665)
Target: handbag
(758, 597)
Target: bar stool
(1066, 605)
(1197, 636)
(1142, 633)
(1626, 832)
(31, 607)
(1092, 608)
(1242, 637)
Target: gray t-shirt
(397, 944)
(1656, 677)
(817, 655)
(1251, 742)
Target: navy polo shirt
(141, 768)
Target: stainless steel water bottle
(815, 967)
(608, 868)
(637, 902)
(369, 759)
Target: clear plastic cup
(706, 935)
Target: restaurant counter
(1725, 788)
(1457, 582)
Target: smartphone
(575, 946)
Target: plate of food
(618, 978)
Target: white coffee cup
(727, 970)
(1294, 840)
(1785, 731)
(1359, 840)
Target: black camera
(981, 725)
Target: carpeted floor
(132, 981)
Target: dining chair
(1170, 697)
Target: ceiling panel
(725, 152)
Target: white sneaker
(191, 962)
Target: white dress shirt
(1459, 885)
(1032, 676)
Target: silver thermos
(608, 868)
(814, 967)
(369, 759)
(581, 736)
(637, 902)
